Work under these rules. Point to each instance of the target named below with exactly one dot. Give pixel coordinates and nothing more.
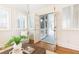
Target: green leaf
(16, 40)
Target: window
(70, 17)
(43, 25)
(66, 17)
(4, 20)
(44, 21)
(22, 24)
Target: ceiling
(33, 7)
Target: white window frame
(7, 19)
(72, 25)
(25, 22)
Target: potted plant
(16, 41)
(31, 39)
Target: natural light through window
(71, 18)
(4, 20)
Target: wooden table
(38, 50)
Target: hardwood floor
(62, 50)
(58, 50)
(45, 45)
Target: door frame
(38, 16)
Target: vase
(15, 46)
(17, 49)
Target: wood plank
(63, 50)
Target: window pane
(21, 22)
(4, 19)
(66, 17)
(71, 17)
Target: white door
(37, 29)
(50, 38)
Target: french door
(47, 28)
(43, 26)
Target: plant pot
(17, 46)
(16, 49)
(25, 41)
(31, 41)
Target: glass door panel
(48, 28)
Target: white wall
(36, 14)
(13, 17)
(66, 38)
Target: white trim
(7, 20)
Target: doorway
(47, 28)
